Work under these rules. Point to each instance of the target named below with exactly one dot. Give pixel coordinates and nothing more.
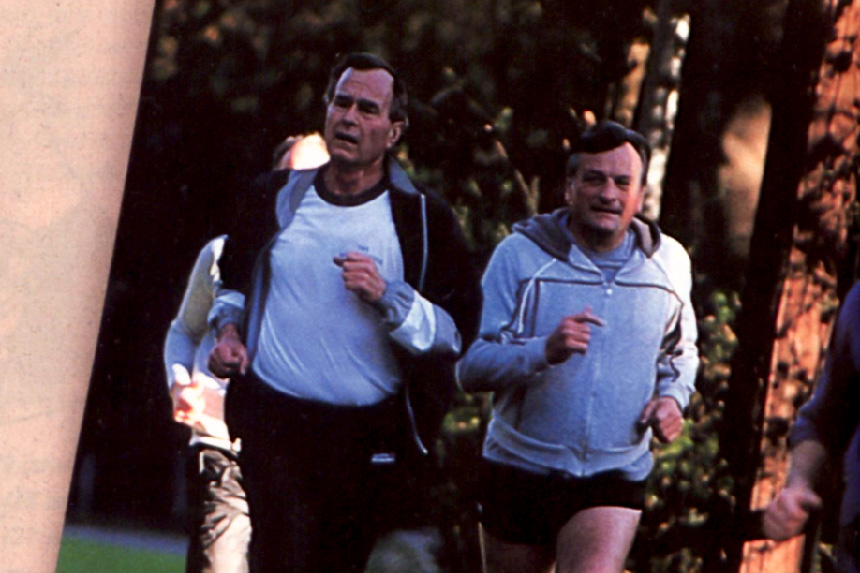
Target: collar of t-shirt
(368, 194)
(609, 262)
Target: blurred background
(751, 111)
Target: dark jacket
(832, 415)
(436, 263)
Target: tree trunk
(646, 97)
(660, 96)
(799, 240)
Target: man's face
(358, 130)
(604, 194)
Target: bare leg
(597, 540)
(503, 557)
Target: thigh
(504, 557)
(516, 530)
(518, 506)
(597, 540)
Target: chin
(598, 229)
(343, 159)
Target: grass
(85, 556)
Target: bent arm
(228, 308)
(492, 364)
(179, 348)
(787, 514)
(830, 417)
(679, 357)
(501, 356)
(807, 459)
(190, 324)
(416, 324)
(225, 316)
(823, 428)
(228, 304)
(438, 314)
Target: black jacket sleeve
(255, 222)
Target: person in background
(827, 429)
(587, 341)
(361, 296)
(309, 155)
(220, 528)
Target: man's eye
(622, 183)
(593, 179)
(368, 108)
(343, 102)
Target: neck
(595, 241)
(348, 180)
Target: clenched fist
(571, 335)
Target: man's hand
(571, 335)
(229, 357)
(664, 416)
(188, 402)
(361, 276)
(787, 514)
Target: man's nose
(350, 114)
(608, 191)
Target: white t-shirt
(318, 340)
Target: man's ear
(641, 204)
(568, 189)
(394, 133)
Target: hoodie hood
(549, 232)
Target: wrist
(228, 331)
(395, 302)
(554, 354)
(682, 400)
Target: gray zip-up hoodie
(581, 416)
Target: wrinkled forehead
(622, 160)
(375, 84)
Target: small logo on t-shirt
(361, 249)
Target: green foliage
(690, 482)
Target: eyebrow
(600, 172)
(361, 102)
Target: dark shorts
(520, 506)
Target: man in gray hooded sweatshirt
(588, 342)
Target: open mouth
(341, 136)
